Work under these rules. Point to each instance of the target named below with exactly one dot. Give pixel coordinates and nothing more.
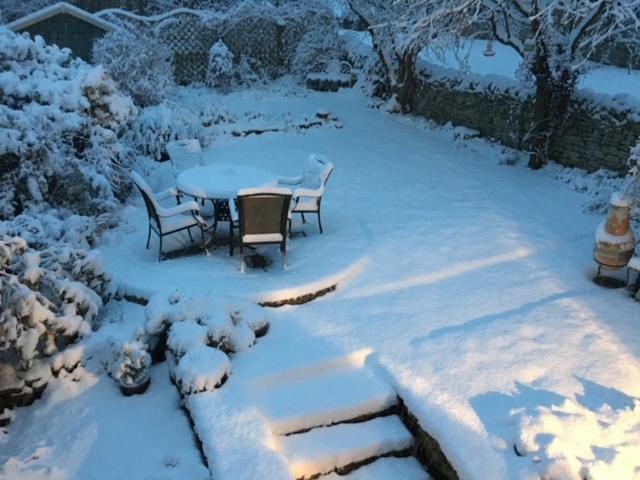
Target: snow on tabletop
(201, 369)
(329, 397)
(322, 449)
(390, 468)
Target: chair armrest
(307, 192)
(168, 193)
(191, 206)
(290, 180)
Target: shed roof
(57, 9)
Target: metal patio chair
(167, 221)
(261, 218)
(309, 187)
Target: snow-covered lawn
(463, 283)
(601, 79)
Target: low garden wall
(598, 132)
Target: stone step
(331, 449)
(387, 468)
(328, 397)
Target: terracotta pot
(615, 241)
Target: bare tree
(400, 29)
(555, 38)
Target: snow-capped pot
(132, 369)
(615, 240)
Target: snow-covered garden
(444, 324)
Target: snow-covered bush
(220, 67)
(60, 121)
(140, 63)
(632, 182)
(319, 47)
(634, 160)
(48, 298)
(160, 124)
(55, 226)
(230, 324)
(224, 74)
(11, 10)
(183, 336)
(202, 369)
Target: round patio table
(222, 181)
(219, 183)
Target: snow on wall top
(57, 9)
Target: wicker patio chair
(261, 218)
(309, 187)
(167, 221)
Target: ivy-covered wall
(598, 132)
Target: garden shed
(66, 26)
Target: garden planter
(135, 389)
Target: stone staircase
(339, 422)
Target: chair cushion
(176, 222)
(262, 238)
(306, 205)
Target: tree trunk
(540, 134)
(550, 108)
(407, 80)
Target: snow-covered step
(326, 398)
(325, 449)
(387, 468)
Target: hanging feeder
(489, 51)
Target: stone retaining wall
(594, 135)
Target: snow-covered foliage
(131, 364)
(634, 160)
(230, 324)
(183, 336)
(319, 47)
(47, 298)
(60, 122)
(598, 186)
(11, 10)
(570, 441)
(632, 183)
(138, 61)
(358, 51)
(202, 369)
(555, 39)
(158, 125)
(220, 67)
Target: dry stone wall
(595, 134)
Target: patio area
(463, 286)
(468, 281)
